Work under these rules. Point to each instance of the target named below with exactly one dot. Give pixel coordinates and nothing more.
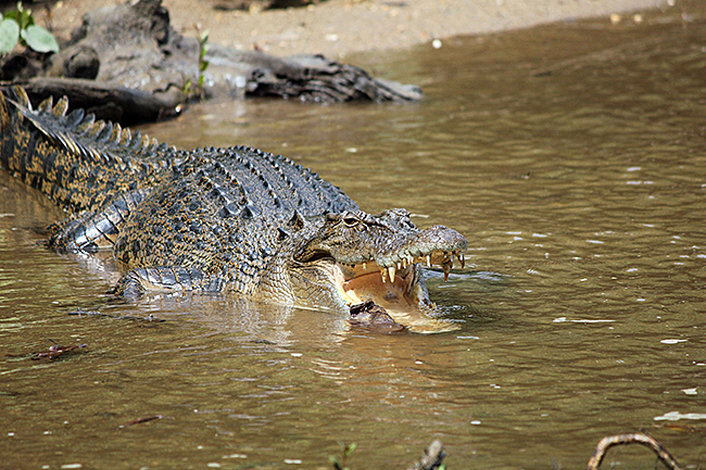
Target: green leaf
(13, 15)
(23, 17)
(9, 35)
(40, 39)
(350, 448)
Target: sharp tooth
(391, 273)
(399, 265)
(410, 259)
(383, 272)
(428, 261)
(404, 262)
(462, 260)
(365, 266)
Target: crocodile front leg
(167, 279)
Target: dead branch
(635, 438)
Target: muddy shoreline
(339, 27)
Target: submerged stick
(634, 438)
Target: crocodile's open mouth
(360, 283)
(399, 290)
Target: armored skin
(217, 219)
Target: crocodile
(217, 220)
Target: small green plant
(191, 90)
(18, 26)
(347, 451)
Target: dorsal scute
(75, 118)
(46, 105)
(86, 124)
(104, 134)
(125, 137)
(19, 96)
(115, 135)
(59, 109)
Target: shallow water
(573, 159)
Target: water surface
(573, 159)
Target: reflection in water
(571, 157)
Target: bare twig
(141, 420)
(635, 438)
(432, 458)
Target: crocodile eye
(350, 221)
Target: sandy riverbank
(339, 27)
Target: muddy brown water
(573, 157)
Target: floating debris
(141, 420)
(56, 350)
(676, 416)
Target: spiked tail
(73, 159)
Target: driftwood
(434, 454)
(635, 438)
(126, 63)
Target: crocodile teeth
(462, 260)
(399, 265)
(428, 261)
(404, 262)
(365, 266)
(391, 273)
(447, 264)
(383, 273)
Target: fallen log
(126, 63)
(107, 101)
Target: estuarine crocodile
(217, 219)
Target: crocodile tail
(75, 159)
(9, 115)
